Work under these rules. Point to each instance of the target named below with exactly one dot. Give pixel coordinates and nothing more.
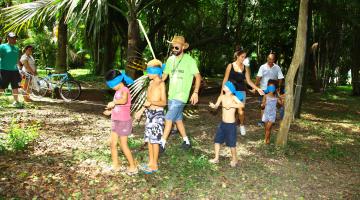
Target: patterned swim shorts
(154, 126)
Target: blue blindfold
(232, 89)
(117, 80)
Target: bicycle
(69, 89)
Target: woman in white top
(28, 67)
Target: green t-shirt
(181, 72)
(9, 57)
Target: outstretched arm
(217, 104)
(249, 81)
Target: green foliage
(19, 138)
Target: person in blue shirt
(9, 72)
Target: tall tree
(297, 61)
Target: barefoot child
(154, 111)
(121, 123)
(269, 104)
(226, 132)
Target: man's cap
(11, 35)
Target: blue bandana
(154, 70)
(270, 88)
(117, 80)
(232, 89)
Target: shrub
(19, 138)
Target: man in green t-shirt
(181, 68)
(9, 72)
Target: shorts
(175, 110)
(226, 132)
(121, 128)
(154, 125)
(9, 77)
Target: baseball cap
(11, 34)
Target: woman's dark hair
(28, 47)
(238, 53)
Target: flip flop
(149, 171)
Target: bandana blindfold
(233, 90)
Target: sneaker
(185, 146)
(242, 130)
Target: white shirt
(30, 60)
(266, 73)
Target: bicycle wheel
(41, 89)
(70, 90)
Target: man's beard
(176, 52)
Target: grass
(322, 150)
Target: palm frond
(138, 91)
(24, 15)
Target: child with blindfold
(154, 112)
(269, 103)
(226, 132)
(121, 122)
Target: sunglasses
(176, 47)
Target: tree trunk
(62, 43)
(300, 88)
(297, 61)
(355, 65)
(133, 55)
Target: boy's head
(154, 68)
(116, 79)
(229, 87)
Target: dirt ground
(67, 160)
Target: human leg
(217, 152)
(268, 126)
(113, 149)
(126, 150)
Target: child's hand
(107, 112)
(147, 103)
(110, 105)
(138, 115)
(212, 105)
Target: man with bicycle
(9, 72)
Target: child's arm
(280, 100)
(263, 102)
(216, 105)
(162, 102)
(139, 113)
(121, 101)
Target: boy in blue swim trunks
(226, 131)
(154, 111)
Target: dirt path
(68, 158)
